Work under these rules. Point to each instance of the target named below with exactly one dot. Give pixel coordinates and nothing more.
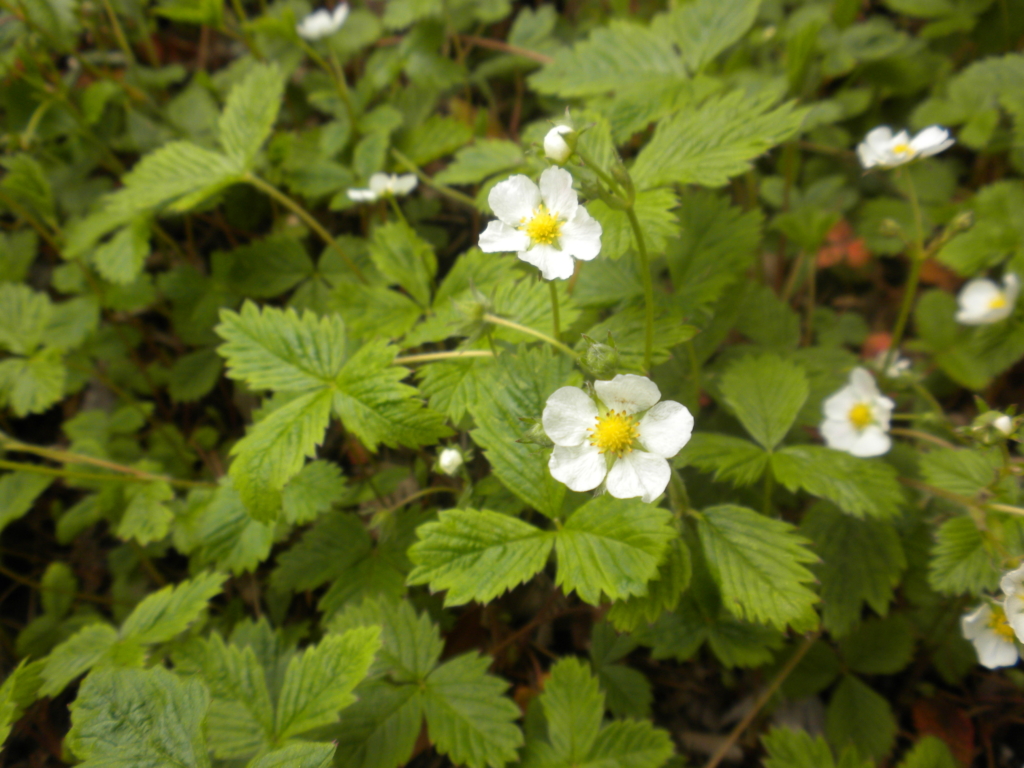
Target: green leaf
(716, 141)
(276, 448)
(405, 259)
(33, 384)
(468, 717)
(281, 350)
(250, 112)
(757, 564)
(964, 559)
(301, 755)
(483, 158)
(961, 471)
(18, 492)
(26, 181)
(662, 592)
(436, 137)
(330, 548)
(120, 259)
(631, 744)
(216, 529)
(627, 328)
(11, 706)
(134, 717)
(194, 375)
(169, 611)
(316, 487)
(411, 644)
(477, 554)
(653, 209)
(612, 546)
(24, 315)
(766, 393)
(453, 386)
(241, 717)
(319, 682)
(517, 387)
(574, 707)
(75, 656)
(739, 461)
(796, 749)
(267, 267)
(146, 518)
(627, 691)
(859, 717)
(879, 646)
(862, 561)
(859, 487)
(380, 730)
(929, 752)
(705, 28)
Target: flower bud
(449, 460)
(992, 427)
(600, 360)
(560, 143)
(535, 435)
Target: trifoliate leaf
(716, 141)
(76, 655)
(381, 728)
(879, 646)
(477, 554)
(120, 259)
(146, 518)
(281, 350)
(468, 717)
(125, 718)
(859, 487)
(766, 393)
(861, 562)
(18, 492)
(250, 112)
(319, 682)
(299, 755)
(705, 28)
(405, 259)
(662, 592)
(32, 384)
(453, 386)
(757, 563)
(483, 158)
(612, 546)
(169, 611)
(859, 717)
(739, 461)
(965, 559)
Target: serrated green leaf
(766, 393)
(169, 611)
(146, 518)
(627, 691)
(653, 210)
(24, 316)
(132, 717)
(120, 259)
(929, 752)
(281, 350)
(468, 717)
(965, 472)
(194, 375)
(411, 643)
(216, 529)
(316, 487)
(11, 705)
(267, 267)
(17, 252)
(627, 328)
(705, 28)
(319, 682)
(662, 592)
(18, 492)
(612, 546)
(381, 728)
(453, 386)
(796, 749)
(477, 554)
(436, 137)
(631, 744)
(862, 561)
(716, 141)
(857, 716)
(483, 158)
(75, 656)
(879, 646)
(859, 487)
(250, 112)
(32, 384)
(302, 755)
(26, 181)
(964, 559)
(757, 563)
(574, 707)
(739, 461)
(405, 259)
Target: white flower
(1012, 585)
(883, 149)
(449, 460)
(623, 439)
(545, 225)
(322, 22)
(992, 636)
(383, 185)
(897, 367)
(982, 301)
(857, 417)
(1004, 424)
(556, 148)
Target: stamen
(543, 228)
(860, 416)
(997, 623)
(615, 432)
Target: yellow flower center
(902, 149)
(543, 228)
(997, 302)
(997, 623)
(860, 415)
(615, 433)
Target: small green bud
(600, 360)
(535, 435)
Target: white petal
(994, 652)
(973, 624)
(581, 236)
(581, 467)
(405, 183)
(1012, 582)
(639, 473)
(880, 137)
(838, 406)
(666, 428)
(362, 195)
(872, 441)
(339, 16)
(862, 383)
(839, 434)
(1011, 287)
(380, 183)
(931, 141)
(514, 200)
(558, 194)
(500, 237)
(628, 392)
(569, 415)
(553, 263)
(1014, 607)
(975, 300)
(556, 149)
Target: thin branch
(430, 357)
(498, 45)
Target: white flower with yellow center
(322, 22)
(983, 302)
(883, 149)
(992, 635)
(384, 185)
(857, 417)
(546, 226)
(1012, 585)
(624, 439)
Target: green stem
(119, 35)
(929, 398)
(916, 262)
(555, 318)
(645, 275)
(397, 210)
(337, 75)
(242, 22)
(769, 487)
(691, 348)
(431, 357)
(306, 217)
(489, 318)
(446, 191)
(613, 186)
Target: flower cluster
(857, 417)
(995, 626)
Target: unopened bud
(890, 228)
(535, 435)
(449, 460)
(961, 222)
(600, 360)
(560, 143)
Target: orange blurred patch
(876, 343)
(842, 246)
(934, 273)
(946, 721)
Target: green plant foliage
(860, 718)
(766, 394)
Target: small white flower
(857, 417)
(624, 439)
(992, 636)
(546, 226)
(897, 367)
(385, 185)
(1004, 424)
(449, 460)
(1012, 585)
(322, 22)
(556, 148)
(983, 302)
(883, 149)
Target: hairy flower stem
(916, 262)
(489, 318)
(645, 275)
(430, 357)
(555, 319)
(306, 217)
